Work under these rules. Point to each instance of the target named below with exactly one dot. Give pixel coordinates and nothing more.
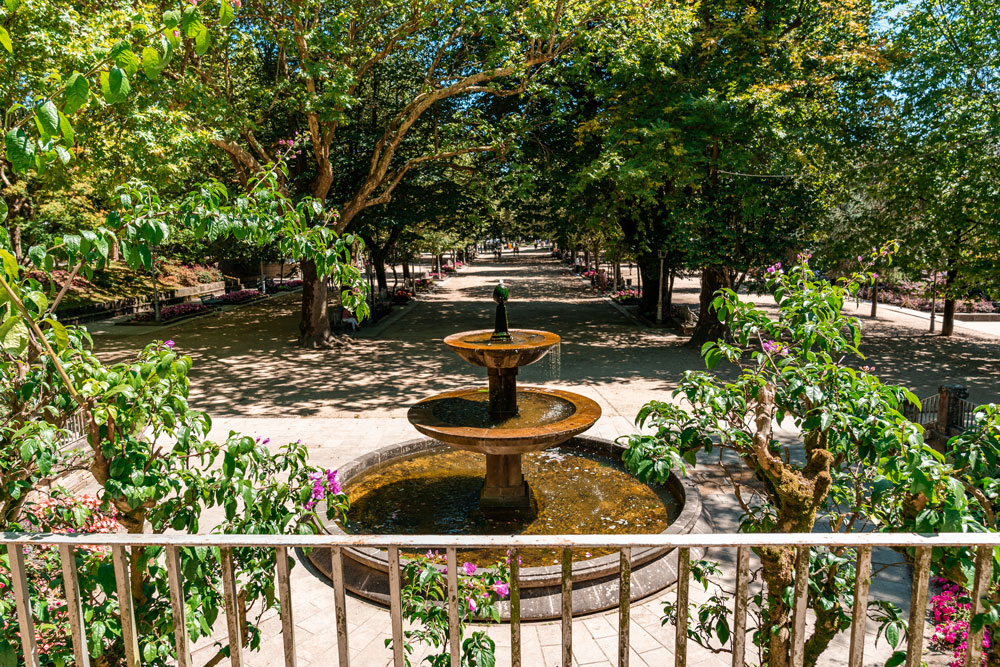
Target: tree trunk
(314, 327)
(378, 261)
(948, 318)
(874, 299)
(15, 241)
(649, 273)
(709, 328)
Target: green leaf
(59, 331)
(12, 5)
(3, 210)
(202, 39)
(77, 93)
(20, 150)
(897, 658)
(171, 19)
(48, 119)
(14, 336)
(226, 14)
(115, 85)
(5, 40)
(151, 62)
(10, 266)
(64, 155)
(66, 128)
(892, 636)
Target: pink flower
(237, 3)
(501, 589)
(177, 33)
(169, 343)
(469, 568)
(774, 268)
(471, 603)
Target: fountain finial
(501, 333)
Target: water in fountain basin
(472, 410)
(575, 492)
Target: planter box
(977, 317)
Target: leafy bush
(424, 597)
(168, 313)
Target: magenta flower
(501, 589)
(469, 568)
(471, 603)
(774, 268)
(169, 343)
(771, 346)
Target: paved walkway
(251, 378)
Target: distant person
(348, 318)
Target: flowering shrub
(189, 274)
(288, 285)
(61, 512)
(448, 268)
(424, 596)
(168, 313)
(422, 283)
(240, 296)
(433, 275)
(401, 296)
(627, 295)
(952, 608)
(589, 274)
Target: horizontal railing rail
(743, 543)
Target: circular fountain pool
(575, 492)
(580, 487)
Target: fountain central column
(504, 486)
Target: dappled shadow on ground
(247, 363)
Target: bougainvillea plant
(424, 602)
(796, 413)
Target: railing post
(515, 608)
(918, 607)
(177, 607)
(233, 621)
(859, 612)
(340, 605)
(123, 582)
(980, 587)
(74, 605)
(454, 622)
(683, 587)
(22, 600)
(395, 608)
(799, 604)
(567, 608)
(285, 601)
(740, 606)
(624, 604)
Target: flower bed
(169, 313)
(952, 609)
(401, 296)
(627, 297)
(241, 296)
(288, 285)
(448, 268)
(423, 283)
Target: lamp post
(659, 296)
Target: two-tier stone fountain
(505, 422)
(575, 484)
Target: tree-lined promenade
(817, 153)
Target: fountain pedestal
(504, 486)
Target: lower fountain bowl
(595, 579)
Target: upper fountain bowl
(526, 346)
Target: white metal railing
(803, 542)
